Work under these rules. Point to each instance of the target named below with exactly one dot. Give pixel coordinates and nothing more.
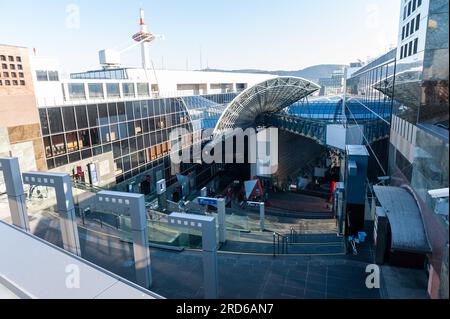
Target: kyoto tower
(144, 37)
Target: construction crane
(110, 58)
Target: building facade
(419, 131)
(20, 133)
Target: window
(69, 119)
(11, 58)
(5, 74)
(42, 75)
(58, 145)
(15, 82)
(419, 3)
(72, 142)
(112, 90)
(409, 8)
(22, 82)
(81, 115)
(18, 59)
(13, 74)
(401, 52)
(19, 67)
(93, 115)
(414, 5)
(105, 135)
(95, 136)
(53, 76)
(103, 114)
(404, 12)
(407, 30)
(1, 82)
(55, 120)
(21, 75)
(142, 89)
(95, 90)
(7, 82)
(412, 27)
(12, 66)
(403, 32)
(84, 139)
(128, 89)
(47, 147)
(4, 66)
(417, 22)
(416, 42)
(76, 91)
(2, 58)
(410, 48)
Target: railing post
(273, 244)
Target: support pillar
(15, 192)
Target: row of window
(12, 66)
(77, 91)
(411, 7)
(119, 74)
(411, 27)
(10, 58)
(409, 48)
(42, 75)
(155, 114)
(12, 74)
(13, 82)
(70, 142)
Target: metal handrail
(280, 244)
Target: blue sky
(232, 34)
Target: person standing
(146, 185)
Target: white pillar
(221, 215)
(15, 192)
(261, 216)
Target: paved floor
(179, 275)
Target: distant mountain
(312, 73)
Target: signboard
(207, 201)
(253, 204)
(93, 177)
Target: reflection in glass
(72, 142)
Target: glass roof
(270, 96)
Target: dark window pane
(152, 125)
(104, 131)
(144, 109)
(134, 160)
(147, 140)
(74, 157)
(86, 153)
(72, 142)
(140, 142)
(123, 130)
(133, 145)
(84, 139)
(97, 150)
(93, 115)
(55, 119)
(112, 110)
(129, 109)
(141, 156)
(126, 163)
(44, 121)
(48, 147)
(58, 145)
(61, 160)
(95, 137)
(103, 114)
(107, 148)
(50, 164)
(116, 150)
(81, 115)
(151, 110)
(145, 127)
(121, 112)
(131, 130)
(137, 109)
(125, 147)
(69, 118)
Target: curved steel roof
(270, 96)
